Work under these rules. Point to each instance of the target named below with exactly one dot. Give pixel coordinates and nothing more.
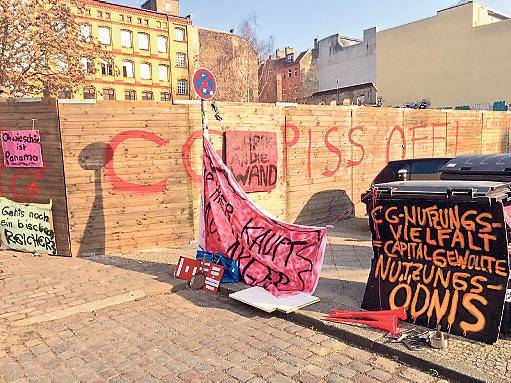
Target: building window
(87, 11)
(127, 69)
(107, 68)
(290, 73)
(158, 24)
(59, 26)
(163, 72)
(130, 95)
(296, 72)
(100, 14)
(181, 60)
(146, 21)
(128, 18)
(162, 44)
(182, 87)
(107, 15)
(165, 25)
(85, 33)
(65, 94)
(145, 71)
(86, 64)
(108, 94)
(143, 41)
(104, 35)
(147, 96)
(179, 34)
(89, 94)
(139, 20)
(126, 39)
(121, 17)
(166, 97)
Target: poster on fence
(283, 258)
(27, 227)
(22, 149)
(252, 159)
(445, 261)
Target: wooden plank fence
(125, 176)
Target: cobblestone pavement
(36, 289)
(187, 337)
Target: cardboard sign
(187, 268)
(22, 149)
(446, 262)
(27, 227)
(252, 159)
(285, 259)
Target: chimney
(231, 31)
(289, 51)
(316, 43)
(170, 7)
(279, 54)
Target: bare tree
(262, 47)
(234, 59)
(42, 47)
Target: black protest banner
(446, 262)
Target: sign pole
(204, 117)
(205, 87)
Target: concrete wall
(458, 57)
(351, 61)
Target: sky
(296, 23)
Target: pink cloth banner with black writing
(22, 149)
(283, 258)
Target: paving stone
(332, 378)
(278, 378)
(240, 374)
(416, 375)
(345, 371)
(285, 369)
(315, 370)
(386, 364)
(364, 379)
(380, 375)
(360, 367)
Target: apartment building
(457, 57)
(150, 49)
(287, 76)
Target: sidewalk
(40, 289)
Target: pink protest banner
(283, 258)
(22, 149)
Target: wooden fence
(126, 175)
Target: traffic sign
(204, 84)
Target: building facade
(288, 77)
(347, 62)
(458, 57)
(233, 61)
(150, 51)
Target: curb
(300, 318)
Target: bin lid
(466, 190)
(494, 164)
